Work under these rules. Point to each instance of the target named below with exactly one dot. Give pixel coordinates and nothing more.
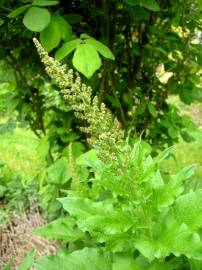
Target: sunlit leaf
(66, 49)
(86, 60)
(101, 48)
(36, 19)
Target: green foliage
(141, 219)
(121, 212)
(57, 29)
(127, 211)
(13, 191)
(156, 52)
(87, 258)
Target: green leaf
(166, 194)
(165, 154)
(44, 3)
(50, 37)
(62, 229)
(150, 4)
(166, 265)
(96, 216)
(132, 2)
(28, 261)
(83, 207)
(86, 60)
(172, 238)
(65, 28)
(67, 48)
(84, 36)
(101, 48)
(141, 108)
(18, 11)
(124, 261)
(188, 209)
(36, 19)
(84, 259)
(87, 158)
(59, 172)
(195, 264)
(172, 132)
(152, 110)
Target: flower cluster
(104, 130)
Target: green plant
(13, 192)
(126, 214)
(131, 217)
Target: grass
(19, 150)
(187, 153)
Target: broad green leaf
(152, 110)
(55, 262)
(28, 260)
(62, 229)
(101, 48)
(119, 242)
(18, 11)
(172, 132)
(84, 259)
(110, 224)
(166, 194)
(150, 4)
(124, 261)
(96, 216)
(67, 48)
(36, 19)
(65, 28)
(87, 158)
(77, 149)
(83, 207)
(195, 264)
(188, 209)
(50, 37)
(44, 3)
(172, 238)
(86, 60)
(59, 172)
(166, 265)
